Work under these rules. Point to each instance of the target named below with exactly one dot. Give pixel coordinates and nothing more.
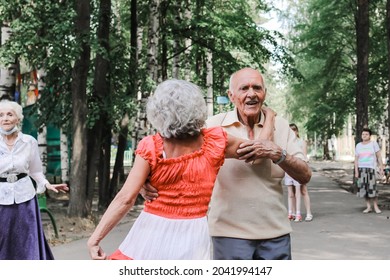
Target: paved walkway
(339, 230)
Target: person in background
(21, 233)
(296, 191)
(250, 222)
(182, 161)
(367, 156)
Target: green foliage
(325, 51)
(43, 37)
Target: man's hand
(148, 192)
(257, 149)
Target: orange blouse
(184, 183)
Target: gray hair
(14, 106)
(177, 109)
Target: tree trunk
(164, 47)
(388, 77)
(101, 97)
(176, 43)
(42, 131)
(104, 170)
(118, 171)
(209, 83)
(153, 43)
(7, 72)
(64, 156)
(42, 144)
(134, 48)
(78, 204)
(141, 126)
(187, 44)
(362, 90)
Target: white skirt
(154, 237)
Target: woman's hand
(57, 187)
(96, 252)
(268, 112)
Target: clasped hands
(255, 149)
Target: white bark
(209, 84)
(42, 144)
(154, 25)
(42, 134)
(187, 46)
(64, 156)
(7, 73)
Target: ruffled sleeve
(215, 142)
(148, 150)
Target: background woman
(296, 191)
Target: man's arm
(148, 192)
(297, 168)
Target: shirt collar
(231, 118)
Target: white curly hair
(14, 106)
(177, 109)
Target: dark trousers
(225, 248)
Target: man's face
(247, 92)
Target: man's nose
(251, 91)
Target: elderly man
(247, 217)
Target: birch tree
(7, 72)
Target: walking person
(296, 191)
(21, 233)
(367, 156)
(250, 222)
(182, 161)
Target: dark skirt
(367, 183)
(21, 233)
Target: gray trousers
(225, 248)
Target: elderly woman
(182, 161)
(21, 232)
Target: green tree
(330, 40)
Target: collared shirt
(247, 200)
(23, 158)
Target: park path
(339, 230)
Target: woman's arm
(119, 207)
(267, 132)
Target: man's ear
(230, 94)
